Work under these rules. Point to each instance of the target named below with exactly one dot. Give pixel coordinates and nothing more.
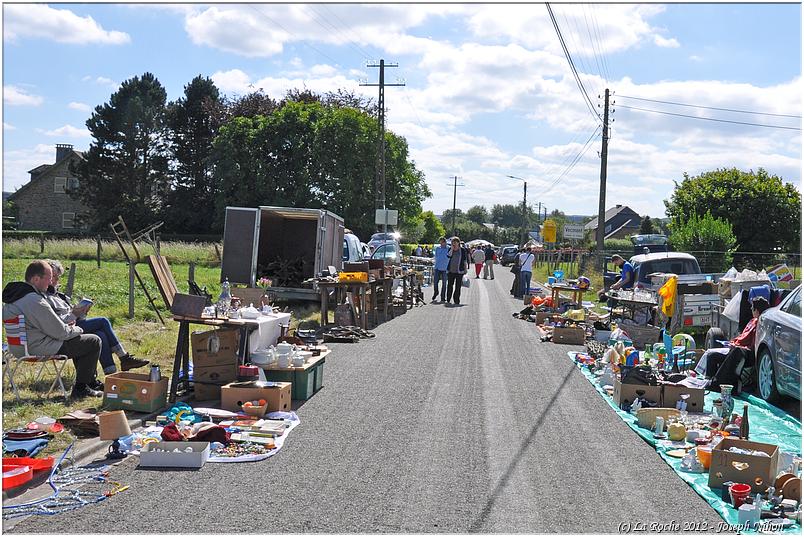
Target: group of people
(54, 326)
(522, 268)
(420, 251)
(452, 263)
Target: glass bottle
(744, 423)
(225, 298)
(725, 396)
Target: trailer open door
(240, 241)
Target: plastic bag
(730, 274)
(611, 356)
(732, 309)
(466, 281)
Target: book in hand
(83, 307)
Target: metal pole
(524, 213)
(382, 143)
(454, 202)
(130, 290)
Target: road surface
(453, 419)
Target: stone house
(621, 223)
(43, 204)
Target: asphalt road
(453, 419)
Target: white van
(352, 248)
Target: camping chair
(16, 335)
(682, 357)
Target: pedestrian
(489, 262)
(478, 258)
(418, 250)
(526, 260)
(458, 265)
(440, 269)
(516, 287)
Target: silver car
(778, 349)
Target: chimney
(618, 205)
(62, 150)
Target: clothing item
(458, 261)
(668, 294)
(489, 251)
(61, 304)
(84, 351)
(478, 256)
(526, 260)
(627, 274)
(45, 330)
(747, 336)
(478, 268)
(440, 277)
(130, 362)
(454, 283)
(488, 268)
(516, 287)
(441, 259)
(101, 327)
(81, 390)
(524, 281)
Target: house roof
(39, 172)
(611, 213)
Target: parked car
(380, 238)
(508, 255)
(648, 244)
(646, 264)
(365, 249)
(352, 248)
(778, 349)
(390, 251)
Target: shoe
(97, 385)
(129, 362)
(433, 299)
(477, 277)
(82, 390)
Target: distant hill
(579, 218)
(6, 195)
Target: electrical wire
(575, 161)
(710, 107)
(593, 9)
(710, 118)
(572, 65)
(594, 47)
(321, 20)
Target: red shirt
(746, 338)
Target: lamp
(114, 425)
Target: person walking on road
(458, 265)
(526, 260)
(478, 258)
(489, 262)
(440, 269)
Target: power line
(575, 161)
(711, 118)
(320, 20)
(572, 65)
(604, 52)
(595, 49)
(348, 29)
(709, 107)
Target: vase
(725, 396)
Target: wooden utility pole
(455, 186)
(604, 151)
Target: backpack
(642, 375)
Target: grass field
(142, 336)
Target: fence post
(191, 272)
(217, 251)
(99, 251)
(70, 281)
(131, 290)
(156, 244)
(41, 243)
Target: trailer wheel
(713, 335)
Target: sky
(488, 91)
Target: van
(352, 248)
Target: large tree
(193, 121)
(125, 170)
(763, 210)
(478, 214)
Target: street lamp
(524, 207)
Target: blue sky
(489, 92)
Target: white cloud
(16, 96)
(67, 131)
(665, 42)
(238, 82)
(81, 107)
(101, 81)
(696, 58)
(9, 126)
(61, 25)
(16, 164)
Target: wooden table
(632, 306)
(181, 360)
(577, 293)
(360, 289)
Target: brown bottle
(744, 424)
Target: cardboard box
(569, 335)
(207, 392)
(277, 395)
(215, 347)
(134, 391)
(151, 454)
(671, 395)
(542, 316)
(753, 470)
(219, 374)
(627, 392)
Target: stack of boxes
(215, 360)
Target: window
(387, 252)
(72, 183)
(59, 185)
(68, 220)
(793, 306)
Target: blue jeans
(524, 281)
(101, 327)
(440, 276)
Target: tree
(433, 230)
(193, 122)
(711, 239)
(478, 214)
(125, 170)
(764, 211)
(646, 227)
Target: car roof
(641, 258)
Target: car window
(674, 266)
(793, 306)
(345, 250)
(386, 251)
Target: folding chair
(680, 356)
(16, 335)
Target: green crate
(319, 377)
(305, 382)
(278, 375)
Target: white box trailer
(256, 237)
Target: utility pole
(524, 235)
(379, 189)
(604, 151)
(455, 186)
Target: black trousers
(454, 282)
(85, 351)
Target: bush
(710, 239)
(618, 244)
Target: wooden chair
(164, 278)
(16, 335)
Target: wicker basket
(642, 335)
(647, 416)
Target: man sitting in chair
(47, 334)
(95, 325)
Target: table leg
(177, 362)
(324, 312)
(363, 308)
